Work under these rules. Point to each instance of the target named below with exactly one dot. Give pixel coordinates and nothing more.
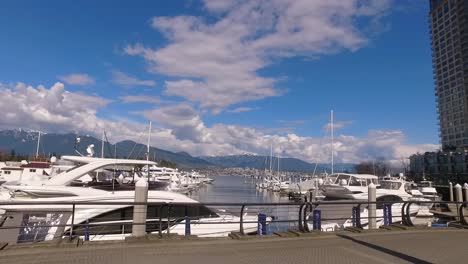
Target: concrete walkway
(428, 246)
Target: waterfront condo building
(449, 34)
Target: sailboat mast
(102, 145)
(148, 145)
(332, 156)
(271, 158)
(38, 142)
(148, 149)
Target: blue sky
(370, 61)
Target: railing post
(387, 210)
(187, 222)
(72, 221)
(241, 227)
(301, 211)
(462, 213)
(160, 220)
(261, 226)
(305, 216)
(459, 198)
(403, 213)
(372, 206)
(317, 220)
(356, 215)
(465, 190)
(168, 231)
(140, 210)
(86, 236)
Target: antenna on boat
(77, 142)
(331, 124)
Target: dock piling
(465, 190)
(139, 210)
(451, 191)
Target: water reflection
(234, 189)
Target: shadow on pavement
(386, 250)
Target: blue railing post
(261, 227)
(387, 210)
(355, 215)
(187, 226)
(86, 235)
(317, 220)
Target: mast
(38, 142)
(271, 158)
(148, 150)
(332, 158)
(102, 145)
(148, 145)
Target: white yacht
(428, 191)
(111, 221)
(347, 186)
(50, 198)
(391, 190)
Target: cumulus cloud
(141, 99)
(181, 128)
(77, 79)
(184, 123)
(57, 110)
(217, 62)
(124, 79)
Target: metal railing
(243, 218)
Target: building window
(32, 170)
(7, 172)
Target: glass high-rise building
(449, 34)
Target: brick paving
(410, 246)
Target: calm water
(233, 189)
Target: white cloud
(184, 123)
(337, 125)
(77, 79)
(181, 128)
(141, 99)
(124, 79)
(242, 109)
(217, 62)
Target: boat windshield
(353, 181)
(390, 185)
(425, 184)
(342, 177)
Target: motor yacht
(111, 219)
(96, 173)
(428, 191)
(347, 186)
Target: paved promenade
(431, 246)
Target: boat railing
(251, 219)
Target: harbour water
(235, 189)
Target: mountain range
(25, 142)
(286, 164)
